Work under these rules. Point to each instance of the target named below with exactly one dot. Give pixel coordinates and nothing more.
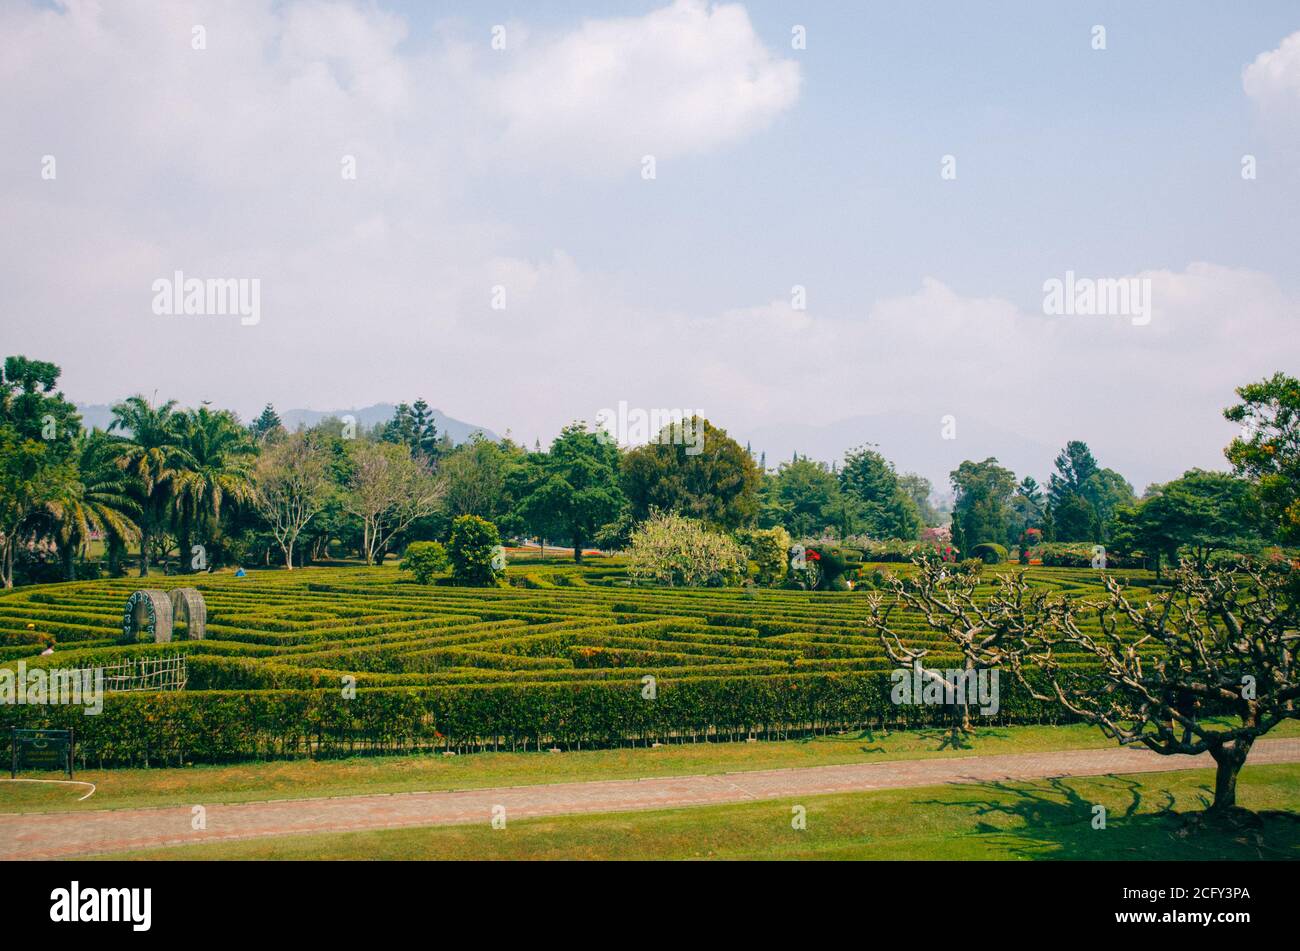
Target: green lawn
(296, 779)
(1046, 819)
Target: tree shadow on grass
(943, 738)
(1052, 819)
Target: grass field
(298, 779)
(1017, 820)
(292, 779)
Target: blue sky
(1113, 161)
(775, 167)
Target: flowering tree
(673, 550)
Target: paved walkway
(59, 835)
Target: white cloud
(677, 81)
(225, 162)
(1272, 81)
(1276, 72)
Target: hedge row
(149, 729)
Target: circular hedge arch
(188, 602)
(148, 616)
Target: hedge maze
(331, 661)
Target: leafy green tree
(474, 550)
(919, 489)
(804, 496)
(219, 470)
(1074, 516)
(152, 452)
(1075, 465)
(880, 506)
(41, 491)
(1108, 492)
(572, 490)
(476, 474)
(31, 404)
(33, 476)
(1028, 503)
(983, 507)
(769, 550)
(424, 560)
(267, 427)
(1201, 513)
(413, 426)
(719, 484)
(958, 536)
(1075, 519)
(98, 499)
(1268, 451)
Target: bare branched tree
(1207, 666)
(291, 485)
(388, 490)
(980, 631)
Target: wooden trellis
(147, 673)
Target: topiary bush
(424, 560)
(991, 553)
(475, 552)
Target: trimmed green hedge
(155, 729)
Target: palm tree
(221, 459)
(98, 500)
(154, 456)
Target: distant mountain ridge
(99, 415)
(369, 416)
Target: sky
(853, 214)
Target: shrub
(1081, 555)
(424, 560)
(895, 550)
(769, 551)
(991, 553)
(473, 549)
(672, 550)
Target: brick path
(58, 835)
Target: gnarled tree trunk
(1229, 758)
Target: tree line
(180, 489)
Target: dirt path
(58, 835)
